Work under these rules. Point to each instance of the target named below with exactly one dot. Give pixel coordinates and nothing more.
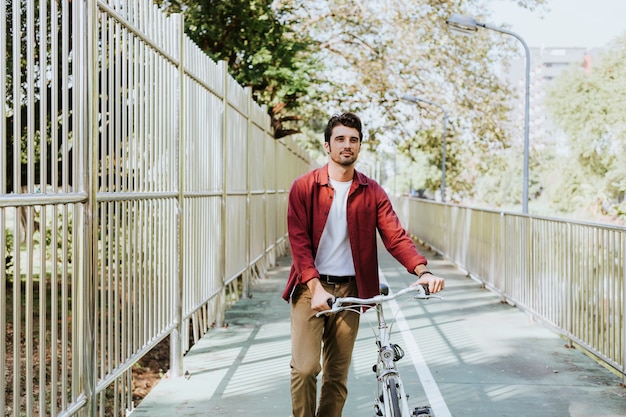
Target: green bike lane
(468, 355)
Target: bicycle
(391, 398)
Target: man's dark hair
(346, 119)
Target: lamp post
(469, 25)
(443, 146)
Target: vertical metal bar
(603, 280)
(220, 317)
(609, 293)
(78, 383)
(108, 49)
(611, 317)
(108, 145)
(579, 272)
(17, 80)
(154, 210)
(30, 185)
(249, 161)
(571, 273)
(65, 366)
(74, 303)
(590, 331)
(17, 296)
(267, 137)
(54, 111)
(123, 148)
(617, 267)
(3, 291)
(64, 373)
(117, 144)
(90, 220)
(116, 141)
(594, 336)
(3, 134)
(3, 181)
(594, 275)
(43, 181)
(567, 248)
(622, 281)
(133, 164)
(587, 322)
(614, 316)
(130, 164)
(65, 105)
(53, 64)
(176, 356)
(102, 254)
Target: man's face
(344, 145)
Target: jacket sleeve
(299, 223)
(395, 238)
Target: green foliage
(589, 108)
(376, 53)
(309, 59)
(495, 186)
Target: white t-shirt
(334, 255)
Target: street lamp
(469, 25)
(443, 146)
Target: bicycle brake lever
(424, 293)
(330, 302)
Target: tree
(376, 52)
(308, 59)
(589, 108)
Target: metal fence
(140, 195)
(570, 275)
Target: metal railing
(569, 275)
(140, 195)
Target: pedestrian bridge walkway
(110, 253)
(469, 355)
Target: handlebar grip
(426, 290)
(330, 302)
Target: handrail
(130, 209)
(571, 275)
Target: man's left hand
(434, 283)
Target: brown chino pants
(331, 338)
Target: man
(333, 215)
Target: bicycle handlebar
(338, 303)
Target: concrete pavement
(475, 356)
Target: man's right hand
(319, 296)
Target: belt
(332, 279)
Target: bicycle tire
(392, 391)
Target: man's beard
(344, 160)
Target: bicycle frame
(387, 373)
(391, 399)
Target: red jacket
(368, 209)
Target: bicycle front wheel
(393, 398)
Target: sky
(567, 23)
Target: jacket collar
(322, 178)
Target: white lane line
(438, 405)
